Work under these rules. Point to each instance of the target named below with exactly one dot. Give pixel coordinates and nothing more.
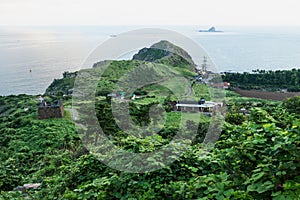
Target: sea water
(31, 57)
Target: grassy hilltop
(255, 157)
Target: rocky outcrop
(164, 51)
(25, 187)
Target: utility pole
(204, 65)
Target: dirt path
(279, 96)
(190, 90)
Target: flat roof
(195, 105)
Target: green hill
(255, 157)
(166, 53)
(162, 55)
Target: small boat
(113, 35)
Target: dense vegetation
(62, 86)
(262, 79)
(256, 156)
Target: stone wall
(53, 111)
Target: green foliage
(166, 53)
(59, 87)
(29, 144)
(256, 157)
(261, 79)
(235, 103)
(267, 152)
(235, 118)
(201, 90)
(151, 54)
(292, 105)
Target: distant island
(211, 30)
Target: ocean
(31, 57)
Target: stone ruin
(25, 187)
(53, 110)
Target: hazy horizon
(156, 12)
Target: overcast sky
(150, 12)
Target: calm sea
(49, 51)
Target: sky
(150, 12)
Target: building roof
(207, 104)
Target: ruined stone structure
(54, 110)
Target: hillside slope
(256, 156)
(166, 53)
(162, 55)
